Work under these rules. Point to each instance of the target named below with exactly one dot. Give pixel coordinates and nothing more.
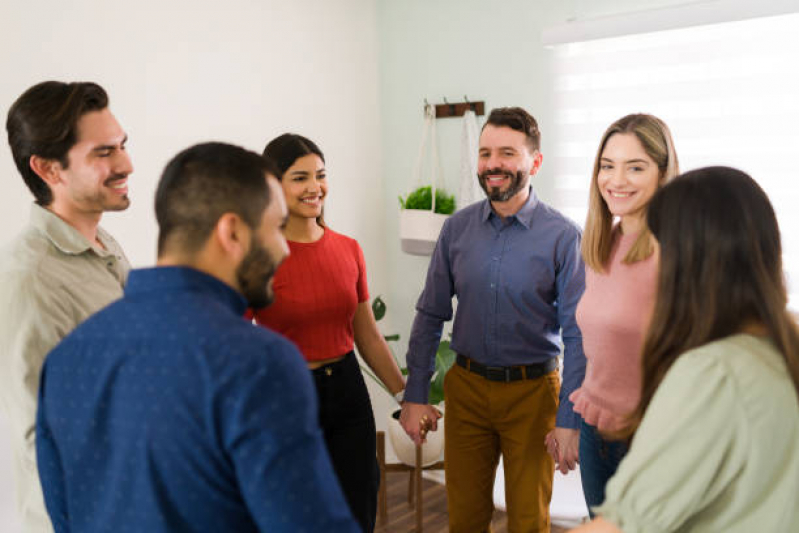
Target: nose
(123, 164)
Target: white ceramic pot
(403, 445)
(419, 230)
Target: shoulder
(341, 241)
(24, 262)
(557, 221)
(467, 214)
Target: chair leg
(382, 498)
(418, 482)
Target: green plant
(445, 357)
(422, 198)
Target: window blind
(729, 93)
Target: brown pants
(483, 420)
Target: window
(729, 93)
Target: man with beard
(70, 150)
(167, 411)
(514, 264)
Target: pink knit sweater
(613, 315)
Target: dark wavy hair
(720, 270)
(43, 122)
(284, 150)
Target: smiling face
(628, 178)
(305, 187)
(505, 162)
(96, 178)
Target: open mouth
(118, 185)
(619, 194)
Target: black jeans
(348, 425)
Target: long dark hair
(720, 270)
(281, 152)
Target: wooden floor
(401, 517)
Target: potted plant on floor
(402, 444)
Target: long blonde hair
(598, 237)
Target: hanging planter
(425, 209)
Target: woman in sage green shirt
(716, 431)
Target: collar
(179, 278)
(64, 236)
(523, 215)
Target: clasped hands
(417, 419)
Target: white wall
(240, 71)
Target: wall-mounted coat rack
(457, 109)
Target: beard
(495, 194)
(254, 273)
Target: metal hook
(471, 105)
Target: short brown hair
(43, 122)
(517, 119)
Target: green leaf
(378, 308)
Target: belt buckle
(498, 373)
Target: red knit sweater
(317, 290)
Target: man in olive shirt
(70, 151)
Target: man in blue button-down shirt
(514, 264)
(167, 411)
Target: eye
(321, 176)
(637, 169)
(508, 153)
(605, 167)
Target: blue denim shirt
(167, 411)
(517, 282)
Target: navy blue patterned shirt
(517, 282)
(167, 411)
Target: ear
(538, 158)
(233, 236)
(47, 169)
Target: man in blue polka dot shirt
(167, 411)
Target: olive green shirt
(718, 448)
(51, 279)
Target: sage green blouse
(718, 449)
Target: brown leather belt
(507, 373)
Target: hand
(564, 446)
(417, 419)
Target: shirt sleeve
(51, 471)
(272, 435)
(570, 283)
(362, 286)
(432, 310)
(683, 454)
(34, 323)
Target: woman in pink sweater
(635, 158)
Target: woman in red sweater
(322, 304)
(636, 157)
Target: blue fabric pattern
(167, 411)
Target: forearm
(573, 374)
(377, 355)
(425, 336)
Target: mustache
(495, 171)
(115, 177)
